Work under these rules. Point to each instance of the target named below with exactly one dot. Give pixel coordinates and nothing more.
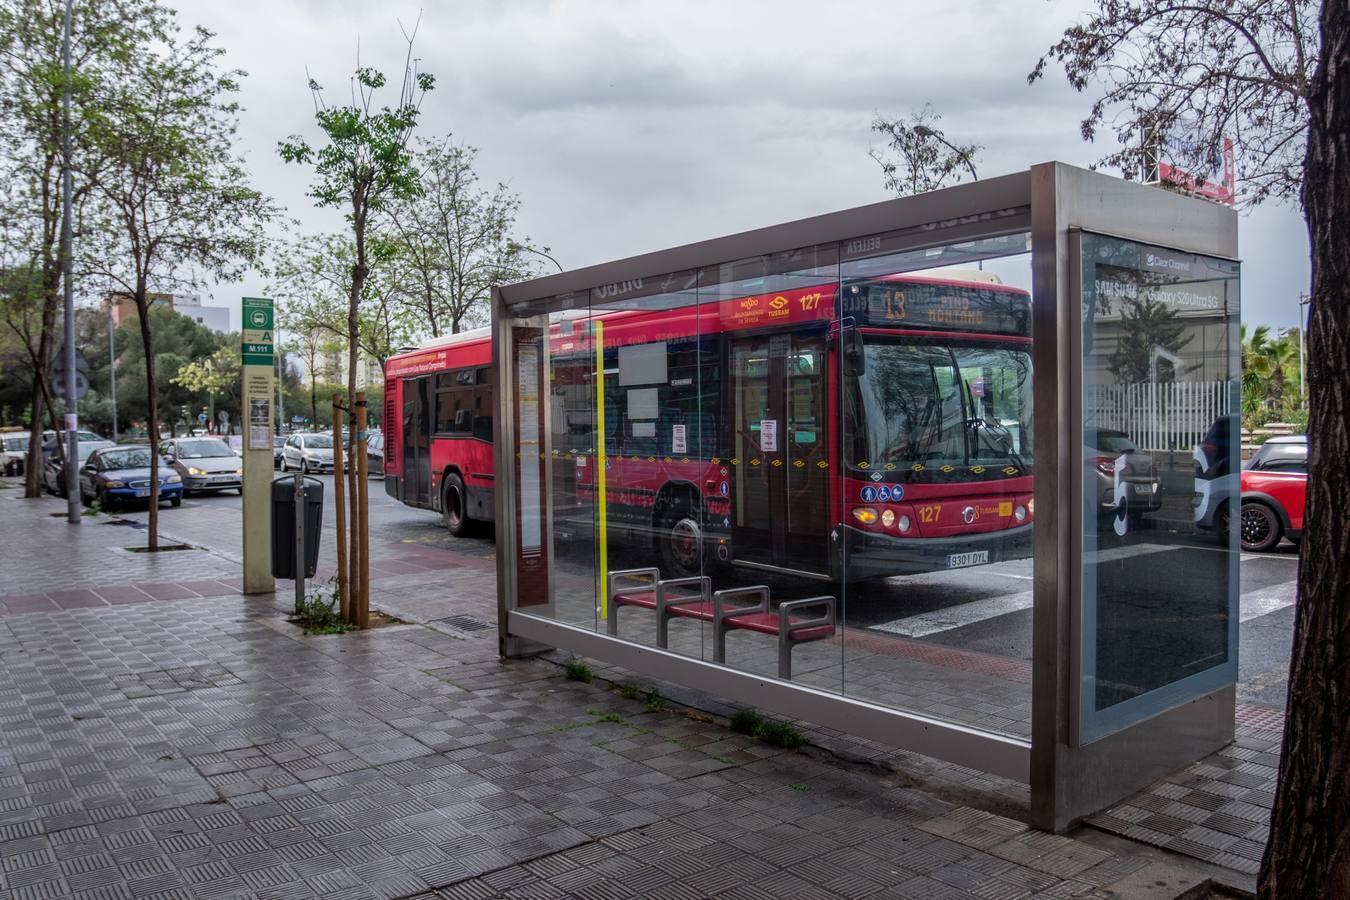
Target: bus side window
(482, 408)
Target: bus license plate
(973, 558)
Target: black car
(278, 444)
(375, 453)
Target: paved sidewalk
(199, 746)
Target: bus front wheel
(681, 541)
(453, 506)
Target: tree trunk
(152, 420)
(354, 561)
(1308, 854)
(32, 482)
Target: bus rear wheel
(453, 506)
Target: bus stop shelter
(948, 472)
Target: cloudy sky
(632, 126)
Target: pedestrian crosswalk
(1253, 604)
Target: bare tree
(1255, 71)
(455, 239)
(924, 160)
(364, 165)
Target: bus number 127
(809, 301)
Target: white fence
(1173, 415)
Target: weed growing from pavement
(630, 690)
(771, 732)
(614, 718)
(577, 670)
(746, 721)
(318, 614)
(655, 702)
(798, 786)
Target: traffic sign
(256, 347)
(59, 384)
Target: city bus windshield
(941, 409)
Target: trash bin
(283, 525)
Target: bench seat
(770, 623)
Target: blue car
(121, 474)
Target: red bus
(872, 428)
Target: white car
(308, 453)
(205, 464)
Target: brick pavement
(203, 748)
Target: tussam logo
(778, 302)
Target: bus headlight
(865, 514)
(904, 524)
(1020, 514)
(887, 518)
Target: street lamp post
(70, 379)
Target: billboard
(1172, 153)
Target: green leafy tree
(1274, 75)
(172, 195)
(216, 376)
(918, 157)
(105, 38)
(455, 240)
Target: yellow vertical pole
(602, 509)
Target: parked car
(1274, 492)
(54, 473)
(375, 453)
(278, 444)
(204, 464)
(1103, 449)
(49, 439)
(121, 474)
(14, 452)
(308, 452)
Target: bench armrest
(703, 582)
(724, 602)
(649, 578)
(786, 609)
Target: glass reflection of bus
(871, 428)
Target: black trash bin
(283, 525)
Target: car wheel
(304, 467)
(104, 503)
(240, 489)
(680, 540)
(453, 506)
(1260, 527)
(85, 499)
(176, 501)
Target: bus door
(417, 441)
(779, 501)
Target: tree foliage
(105, 38)
(923, 160)
(172, 197)
(1212, 68)
(455, 240)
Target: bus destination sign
(938, 306)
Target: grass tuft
(577, 670)
(655, 702)
(746, 721)
(630, 690)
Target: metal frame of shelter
(1074, 763)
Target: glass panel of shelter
(1160, 470)
(935, 478)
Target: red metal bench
(759, 616)
(670, 598)
(727, 610)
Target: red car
(1274, 489)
